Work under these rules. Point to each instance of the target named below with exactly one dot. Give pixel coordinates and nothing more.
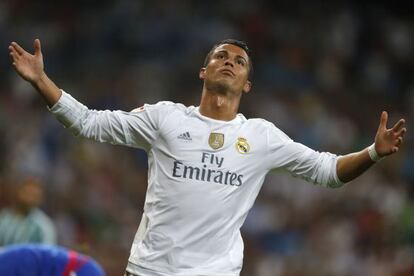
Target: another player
(206, 164)
(46, 260)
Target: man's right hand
(28, 66)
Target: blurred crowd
(323, 72)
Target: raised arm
(387, 142)
(30, 67)
(135, 129)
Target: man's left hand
(388, 141)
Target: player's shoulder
(264, 126)
(40, 217)
(6, 212)
(258, 123)
(161, 106)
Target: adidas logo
(185, 136)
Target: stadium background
(323, 73)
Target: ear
(247, 86)
(202, 74)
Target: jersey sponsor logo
(216, 140)
(242, 146)
(185, 136)
(180, 170)
(210, 171)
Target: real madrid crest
(216, 140)
(242, 146)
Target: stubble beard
(218, 86)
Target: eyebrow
(227, 53)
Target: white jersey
(203, 177)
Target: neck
(21, 210)
(219, 106)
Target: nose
(228, 62)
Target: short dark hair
(237, 43)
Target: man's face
(29, 196)
(227, 70)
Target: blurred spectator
(24, 221)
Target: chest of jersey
(220, 153)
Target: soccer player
(206, 163)
(46, 260)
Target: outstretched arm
(30, 67)
(387, 142)
(134, 129)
